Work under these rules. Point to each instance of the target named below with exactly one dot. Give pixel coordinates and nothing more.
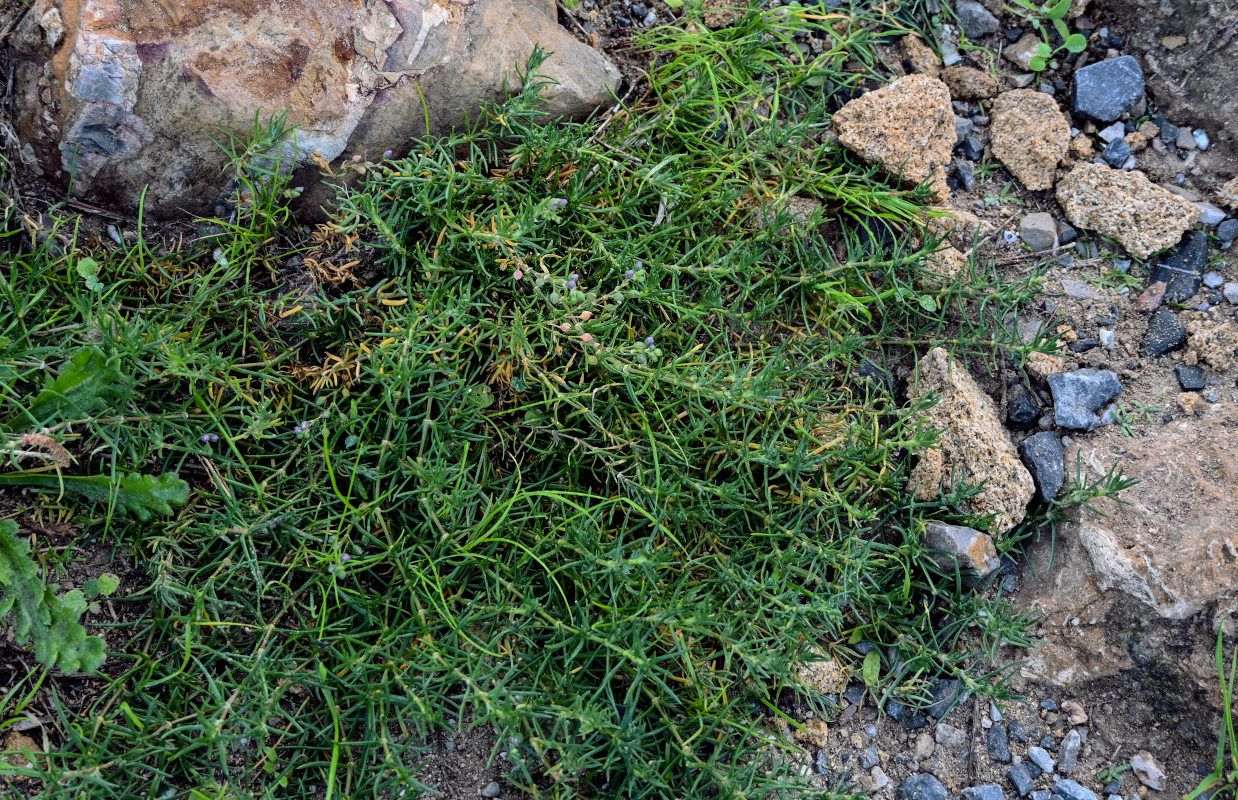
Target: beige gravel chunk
(1214, 342)
(721, 13)
(1228, 194)
(906, 127)
(973, 444)
(1126, 206)
(919, 56)
(1042, 365)
(1030, 136)
(966, 83)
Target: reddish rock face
(125, 95)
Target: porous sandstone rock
(126, 95)
(1081, 146)
(919, 56)
(1030, 136)
(1042, 365)
(946, 264)
(957, 226)
(907, 127)
(721, 13)
(1126, 206)
(1213, 342)
(1227, 195)
(973, 445)
(966, 83)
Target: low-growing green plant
(1223, 780)
(40, 615)
(1127, 416)
(1111, 773)
(51, 621)
(580, 433)
(1052, 13)
(85, 381)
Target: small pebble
(1068, 756)
(1021, 779)
(1213, 280)
(491, 789)
(1227, 232)
(1115, 131)
(1209, 215)
(1078, 289)
(999, 744)
(1231, 292)
(921, 787)
(896, 710)
(989, 791)
(966, 174)
(1041, 758)
(1116, 153)
(1201, 139)
(1107, 339)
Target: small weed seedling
(1111, 773)
(1053, 13)
(1127, 416)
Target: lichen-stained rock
(126, 94)
(1030, 136)
(973, 444)
(906, 127)
(1126, 206)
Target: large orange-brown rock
(125, 94)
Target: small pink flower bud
(586, 338)
(518, 274)
(586, 315)
(565, 327)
